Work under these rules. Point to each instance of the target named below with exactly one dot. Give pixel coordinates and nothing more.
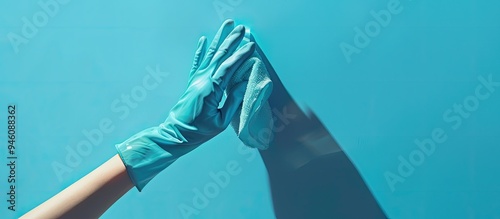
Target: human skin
(90, 196)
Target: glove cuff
(149, 152)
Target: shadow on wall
(310, 176)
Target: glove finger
(230, 65)
(229, 45)
(233, 101)
(199, 54)
(224, 30)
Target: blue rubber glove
(197, 117)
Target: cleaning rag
(253, 121)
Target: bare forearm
(90, 196)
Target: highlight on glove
(196, 118)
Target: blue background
(396, 90)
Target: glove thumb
(234, 100)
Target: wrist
(152, 150)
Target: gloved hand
(197, 117)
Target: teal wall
(420, 75)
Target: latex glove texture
(197, 116)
